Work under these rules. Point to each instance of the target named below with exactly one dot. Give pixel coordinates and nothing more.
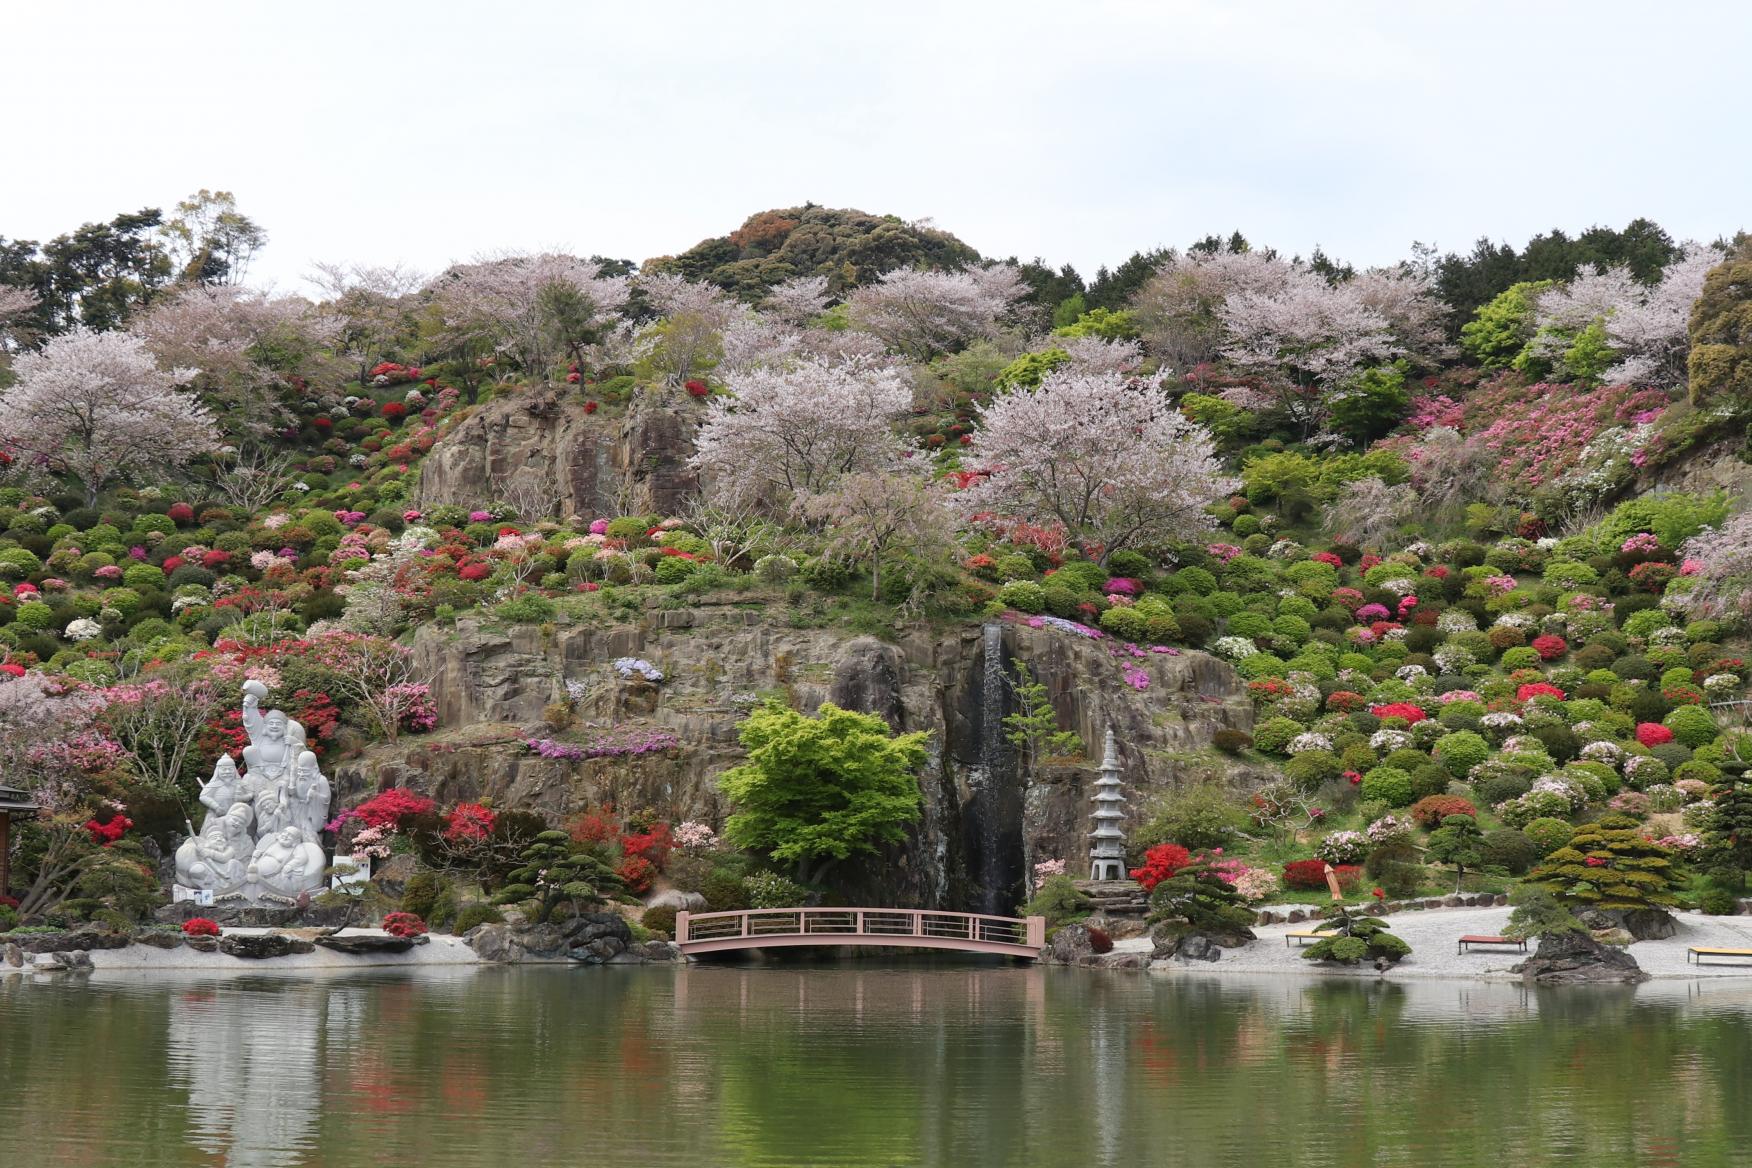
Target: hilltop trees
(99, 404)
(921, 313)
(1720, 359)
(536, 308)
(1107, 458)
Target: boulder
(391, 877)
(13, 955)
(1645, 924)
(259, 946)
(202, 944)
(549, 941)
(587, 927)
(599, 951)
(69, 940)
(158, 939)
(494, 943)
(49, 962)
(1576, 958)
(365, 944)
(1070, 945)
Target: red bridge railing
(766, 928)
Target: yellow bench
(1698, 953)
(1303, 936)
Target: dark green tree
(1033, 728)
(1538, 913)
(1720, 362)
(557, 872)
(816, 790)
(1457, 842)
(1354, 937)
(1196, 900)
(1728, 842)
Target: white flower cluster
(1410, 673)
(1310, 741)
(1513, 620)
(1456, 620)
(1399, 585)
(1607, 752)
(83, 629)
(1453, 658)
(1387, 741)
(1235, 648)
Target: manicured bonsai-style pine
(1354, 937)
(557, 872)
(1729, 839)
(1197, 900)
(1457, 842)
(1610, 864)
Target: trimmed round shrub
(1692, 726)
(144, 577)
(1023, 596)
(1273, 734)
(1390, 785)
(1233, 742)
(1124, 622)
(1460, 752)
(1548, 834)
(1432, 809)
(1312, 769)
(1509, 849)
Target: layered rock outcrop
(984, 821)
(536, 444)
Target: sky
(1079, 131)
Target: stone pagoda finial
(1107, 841)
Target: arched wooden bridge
(905, 928)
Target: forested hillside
(1471, 531)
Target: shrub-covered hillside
(1423, 510)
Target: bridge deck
(774, 928)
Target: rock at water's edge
(1576, 958)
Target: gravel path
(439, 950)
(1432, 935)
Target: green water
(859, 1065)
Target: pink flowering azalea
(480, 516)
(599, 527)
(411, 516)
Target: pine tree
(1729, 840)
(1203, 900)
(1456, 842)
(554, 872)
(1355, 937)
(1612, 865)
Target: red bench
(1469, 941)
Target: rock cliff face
(577, 463)
(984, 822)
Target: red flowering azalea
(1406, 710)
(697, 388)
(17, 670)
(637, 873)
(1344, 701)
(573, 378)
(403, 924)
(1550, 647)
(181, 513)
(468, 823)
(105, 834)
(1327, 558)
(1595, 861)
(1161, 862)
(394, 410)
(1653, 734)
(474, 571)
(1378, 893)
(172, 563)
(200, 927)
(392, 808)
(590, 407)
(1536, 689)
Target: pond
(859, 1064)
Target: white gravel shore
(1432, 935)
(438, 950)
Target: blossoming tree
(922, 313)
(1108, 458)
(794, 431)
(99, 404)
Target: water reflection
(248, 1060)
(860, 1065)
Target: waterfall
(993, 825)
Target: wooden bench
(1698, 953)
(1303, 936)
(1470, 940)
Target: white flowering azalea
(1235, 648)
(1310, 741)
(1456, 620)
(83, 629)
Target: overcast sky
(1079, 131)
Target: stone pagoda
(1107, 841)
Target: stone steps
(1116, 898)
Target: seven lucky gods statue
(260, 838)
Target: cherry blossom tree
(1107, 457)
(1407, 300)
(921, 313)
(1652, 331)
(370, 306)
(1720, 563)
(99, 404)
(1177, 308)
(537, 308)
(798, 300)
(1368, 512)
(791, 432)
(1305, 339)
(243, 342)
(687, 339)
(874, 515)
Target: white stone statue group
(260, 839)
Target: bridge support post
(1037, 932)
(681, 926)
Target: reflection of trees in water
(989, 1065)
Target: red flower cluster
(1327, 558)
(1536, 689)
(393, 808)
(1307, 874)
(181, 513)
(697, 388)
(1406, 710)
(1161, 862)
(1550, 647)
(403, 924)
(469, 823)
(200, 927)
(1432, 809)
(106, 834)
(637, 873)
(394, 410)
(1653, 734)
(1344, 701)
